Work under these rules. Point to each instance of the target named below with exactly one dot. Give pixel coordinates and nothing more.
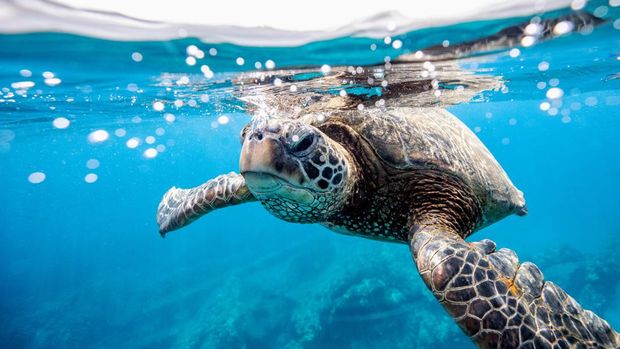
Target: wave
(46, 15)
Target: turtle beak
(263, 156)
(259, 154)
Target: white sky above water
(314, 14)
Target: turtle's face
(297, 172)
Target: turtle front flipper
(499, 302)
(179, 207)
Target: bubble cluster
(22, 85)
(206, 71)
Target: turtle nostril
(258, 135)
(303, 144)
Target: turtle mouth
(263, 182)
(267, 181)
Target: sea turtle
(396, 166)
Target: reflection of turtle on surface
(390, 164)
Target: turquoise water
(82, 264)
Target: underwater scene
(94, 130)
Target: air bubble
(98, 136)
(191, 50)
(158, 106)
(92, 164)
(543, 66)
(528, 41)
(133, 142)
(563, 27)
(601, 11)
(169, 117)
(136, 56)
(36, 177)
(191, 61)
(90, 178)
(223, 120)
(61, 122)
(25, 73)
(578, 4)
(52, 82)
(150, 153)
(555, 93)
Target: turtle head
(296, 171)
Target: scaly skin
(179, 207)
(499, 302)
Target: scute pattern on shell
(433, 138)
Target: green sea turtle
(396, 166)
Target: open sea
(94, 131)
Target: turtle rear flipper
(179, 207)
(499, 302)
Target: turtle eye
(302, 144)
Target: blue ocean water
(82, 264)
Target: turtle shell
(433, 138)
